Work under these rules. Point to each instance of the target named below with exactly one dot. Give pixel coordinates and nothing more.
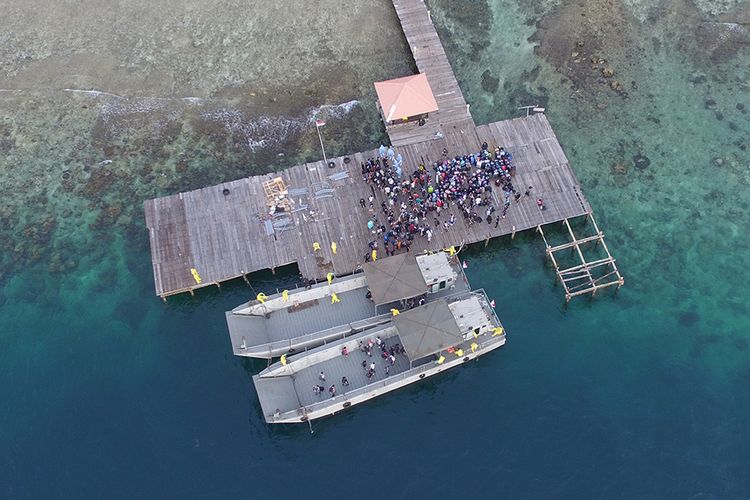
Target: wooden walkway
(429, 55)
(222, 232)
(224, 236)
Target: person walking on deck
(332, 390)
(322, 377)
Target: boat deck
(285, 390)
(351, 368)
(301, 317)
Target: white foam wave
(266, 131)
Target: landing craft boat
(416, 344)
(305, 318)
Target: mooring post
(429, 16)
(273, 271)
(513, 233)
(487, 241)
(620, 282)
(192, 293)
(244, 277)
(217, 284)
(164, 297)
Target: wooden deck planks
(223, 237)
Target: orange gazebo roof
(405, 97)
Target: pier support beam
(590, 275)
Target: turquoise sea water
(108, 392)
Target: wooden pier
(203, 237)
(453, 113)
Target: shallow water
(108, 391)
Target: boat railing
(296, 344)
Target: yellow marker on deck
(196, 276)
(497, 331)
(335, 298)
(283, 359)
(261, 297)
(316, 246)
(333, 247)
(395, 312)
(460, 353)
(374, 255)
(329, 277)
(440, 360)
(285, 295)
(474, 347)
(451, 250)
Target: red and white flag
(465, 265)
(320, 123)
(492, 303)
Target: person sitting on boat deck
(361, 346)
(370, 373)
(345, 351)
(372, 366)
(332, 390)
(345, 381)
(316, 389)
(387, 370)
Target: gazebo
(405, 99)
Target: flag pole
(318, 124)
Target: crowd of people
(416, 205)
(371, 349)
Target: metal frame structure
(580, 279)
